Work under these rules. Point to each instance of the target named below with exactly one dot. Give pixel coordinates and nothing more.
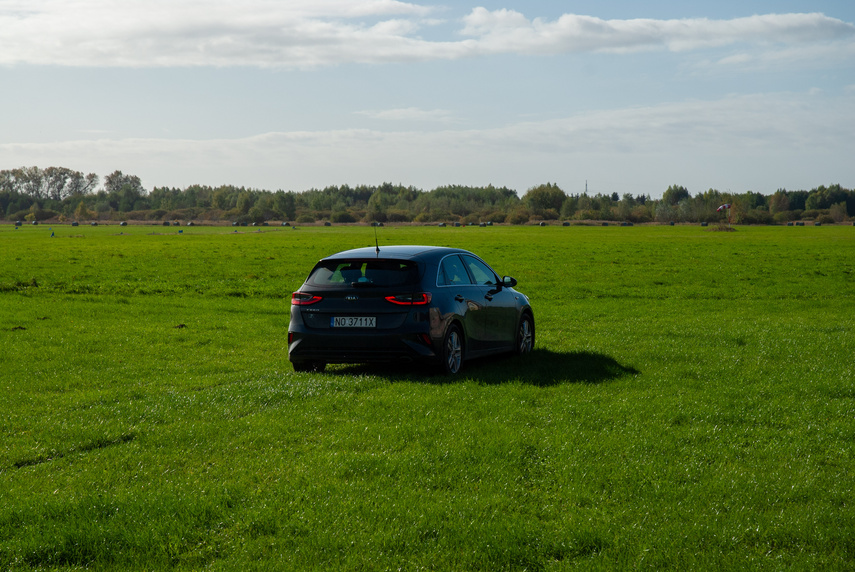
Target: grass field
(690, 405)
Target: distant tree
(285, 205)
(838, 212)
(665, 212)
(674, 194)
(123, 191)
(61, 183)
(519, 215)
(779, 202)
(82, 213)
(544, 197)
(116, 181)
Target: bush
(825, 219)
(398, 215)
(45, 214)
(520, 215)
(342, 216)
(184, 214)
(757, 216)
(784, 216)
(305, 218)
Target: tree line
(58, 193)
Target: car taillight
(418, 299)
(304, 299)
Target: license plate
(353, 322)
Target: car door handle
(459, 298)
(489, 297)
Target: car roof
(399, 251)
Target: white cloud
(308, 33)
(787, 57)
(503, 31)
(740, 142)
(411, 114)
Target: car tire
(302, 366)
(452, 351)
(525, 335)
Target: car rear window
(349, 273)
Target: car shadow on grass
(541, 367)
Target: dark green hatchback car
(406, 304)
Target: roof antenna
(376, 244)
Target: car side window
(452, 272)
(480, 271)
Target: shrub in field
(784, 216)
(305, 218)
(757, 216)
(342, 217)
(519, 215)
(397, 215)
(838, 212)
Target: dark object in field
(406, 304)
(16, 328)
(179, 326)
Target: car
(408, 304)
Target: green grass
(690, 405)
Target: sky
(613, 96)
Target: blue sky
(629, 97)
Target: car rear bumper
(361, 348)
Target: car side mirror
(509, 282)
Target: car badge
(351, 298)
